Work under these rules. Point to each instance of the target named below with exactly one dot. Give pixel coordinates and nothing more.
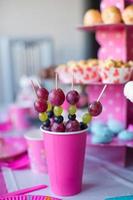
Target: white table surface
(100, 180)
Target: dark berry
(46, 123)
(83, 126)
(46, 128)
(59, 119)
(50, 114)
(72, 117)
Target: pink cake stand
(116, 152)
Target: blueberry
(50, 114)
(71, 117)
(59, 119)
(83, 126)
(46, 123)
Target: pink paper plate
(12, 147)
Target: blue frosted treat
(95, 126)
(103, 135)
(104, 130)
(97, 139)
(115, 126)
(125, 135)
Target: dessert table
(101, 180)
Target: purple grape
(72, 97)
(72, 126)
(95, 108)
(42, 93)
(57, 97)
(58, 127)
(40, 105)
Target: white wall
(55, 18)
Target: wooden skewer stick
(33, 86)
(73, 81)
(98, 99)
(38, 84)
(56, 80)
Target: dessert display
(127, 14)
(111, 15)
(92, 17)
(85, 71)
(94, 71)
(128, 90)
(112, 71)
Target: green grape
(43, 116)
(58, 110)
(86, 118)
(49, 107)
(72, 110)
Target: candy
(40, 105)
(56, 97)
(95, 108)
(58, 110)
(43, 116)
(86, 118)
(72, 97)
(72, 126)
(42, 93)
(58, 127)
(72, 109)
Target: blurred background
(37, 34)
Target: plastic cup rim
(27, 136)
(63, 133)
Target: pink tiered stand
(116, 42)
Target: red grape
(72, 97)
(95, 108)
(56, 97)
(40, 105)
(58, 127)
(72, 126)
(42, 93)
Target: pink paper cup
(65, 157)
(36, 151)
(19, 116)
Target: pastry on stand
(92, 17)
(127, 15)
(111, 15)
